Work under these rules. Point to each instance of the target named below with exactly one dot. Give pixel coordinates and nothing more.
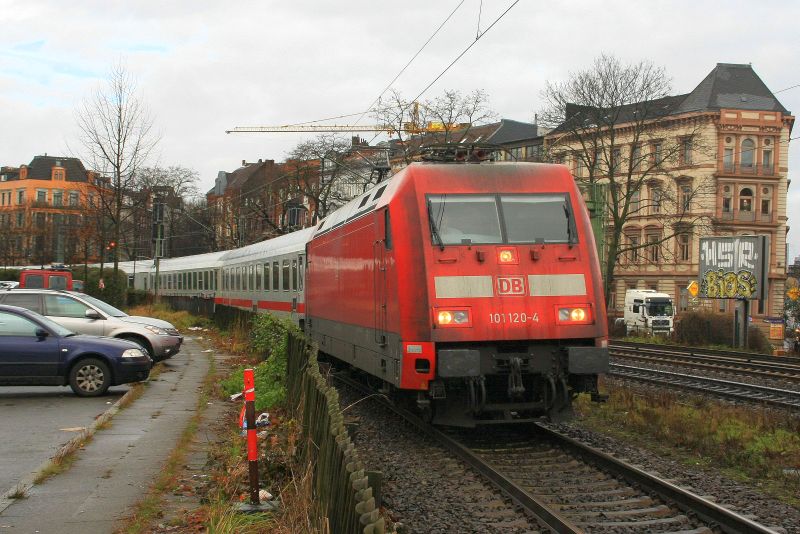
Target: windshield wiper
(569, 226)
(434, 230)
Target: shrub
(269, 337)
(137, 297)
(9, 275)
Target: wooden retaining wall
(341, 490)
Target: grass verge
(148, 509)
(758, 446)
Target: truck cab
(648, 312)
(56, 277)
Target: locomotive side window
(387, 229)
(537, 219)
(275, 273)
(462, 219)
(285, 275)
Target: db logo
(510, 285)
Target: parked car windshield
(103, 306)
(53, 326)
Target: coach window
(266, 276)
(251, 270)
(245, 277)
(285, 275)
(294, 274)
(258, 277)
(194, 280)
(302, 272)
(275, 274)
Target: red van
(53, 278)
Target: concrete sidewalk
(117, 467)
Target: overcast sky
(207, 66)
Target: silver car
(85, 314)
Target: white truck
(648, 312)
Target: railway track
(742, 363)
(572, 487)
(723, 388)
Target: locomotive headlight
(507, 256)
(453, 318)
(575, 315)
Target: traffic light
(111, 245)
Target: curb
(26, 483)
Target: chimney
(244, 163)
(23, 172)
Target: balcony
(745, 216)
(750, 170)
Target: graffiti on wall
(721, 284)
(733, 267)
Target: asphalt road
(36, 421)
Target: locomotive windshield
(490, 219)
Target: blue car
(35, 351)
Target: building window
(766, 213)
(20, 219)
(658, 155)
(726, 204)
(633, 207)
(73, 198)
(684, 247)
(533, 152)
(636, 157)
(746, 200)
(766, 161)
(58, 198)
(656, 197)
(20, 197)
(727, 160)
(686, 151)
(616, 160)
(633, 253)
(653, 247)
(748, 150)
(685, 197)
(579, 166)
(41, 196)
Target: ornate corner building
(721, 157)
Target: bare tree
(618, 126)
(436, 121)
(326, 172)
(116, 136)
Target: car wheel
(90, 378)
(142, 345)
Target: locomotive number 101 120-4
(513, 317)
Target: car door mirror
(92, 314)
(41, 333)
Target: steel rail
(549, 517)
(750, 356)
(789, 399)
(782, 371)
(711, 513)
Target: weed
(757, 444)
(20, 492)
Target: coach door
(379, 274)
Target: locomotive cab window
(464, 219)
(493, 219)
(537, 219)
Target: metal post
(252, 439)
(156, 284)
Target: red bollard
(252, 439)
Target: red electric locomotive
(474, 287)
